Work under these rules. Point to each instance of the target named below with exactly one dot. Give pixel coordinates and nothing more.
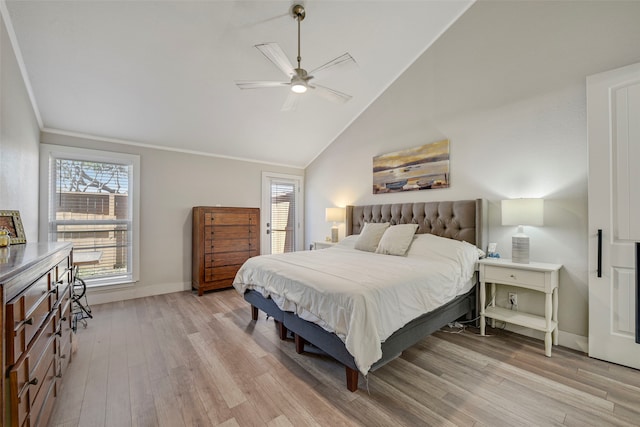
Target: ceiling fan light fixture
(299, 87)
(299, 81)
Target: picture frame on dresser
(11, 220)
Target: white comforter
(363, 297)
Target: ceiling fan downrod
(299, 81)
(298, 14)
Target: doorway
(281, 213)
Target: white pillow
(429, 246)
(397, 239)
(348, 241)
(370, 236)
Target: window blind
(90, 207)
(283, 209)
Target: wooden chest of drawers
(223, 239)
(36, 289)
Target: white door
(613, 121)
(281, 213)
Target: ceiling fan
(299, 79)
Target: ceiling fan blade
(275, 54)
(257, 84)
(340, 61)
(330, 94)
(291, 103)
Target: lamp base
(334, 234)
(520, 249)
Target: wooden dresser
(36, 343)
(223, 238)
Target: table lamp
(522, 212)
(334, 215)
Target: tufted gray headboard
(459, 220)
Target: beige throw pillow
(397, 239)
(370, 236)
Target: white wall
(171, 184)
(19, 136)
(506, 85)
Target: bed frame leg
(299, 343)
(282, 330)
(254, 312)
(352, 379)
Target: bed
(364, 308)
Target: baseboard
(105, 294)
(566, 339)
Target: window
(92, 201)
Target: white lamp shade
(523, 212)
(334, 214)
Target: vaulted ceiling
(162, 73)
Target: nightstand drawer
(514, 276)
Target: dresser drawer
(230, 245)
(38, 316)
(63, 339)
(63, 316)
(25, 328)
(514, 276)
(226, 258)
(37, 347)
(23, 306)
(43, 398)
(229, 231)
(29, 376)
(23, 370)
(220, 273)
(229, 218)
(21, 406)
(63, 272)
(217, 284)
(63, 355)
(47, 407)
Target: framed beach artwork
(10, 220)
(420, 168)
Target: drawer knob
(33, 381)
(28, 321)
(513, 276)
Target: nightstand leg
(493, 302)
(548, 309)
(547, 344)
(483, 297)
(555, 317)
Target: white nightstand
(323, 245)
(536, 276)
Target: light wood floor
(179, 359)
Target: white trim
(161, 147)
(18, 54)
(265, 201)
(566, 339)
(115, 293)
(49, 150)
